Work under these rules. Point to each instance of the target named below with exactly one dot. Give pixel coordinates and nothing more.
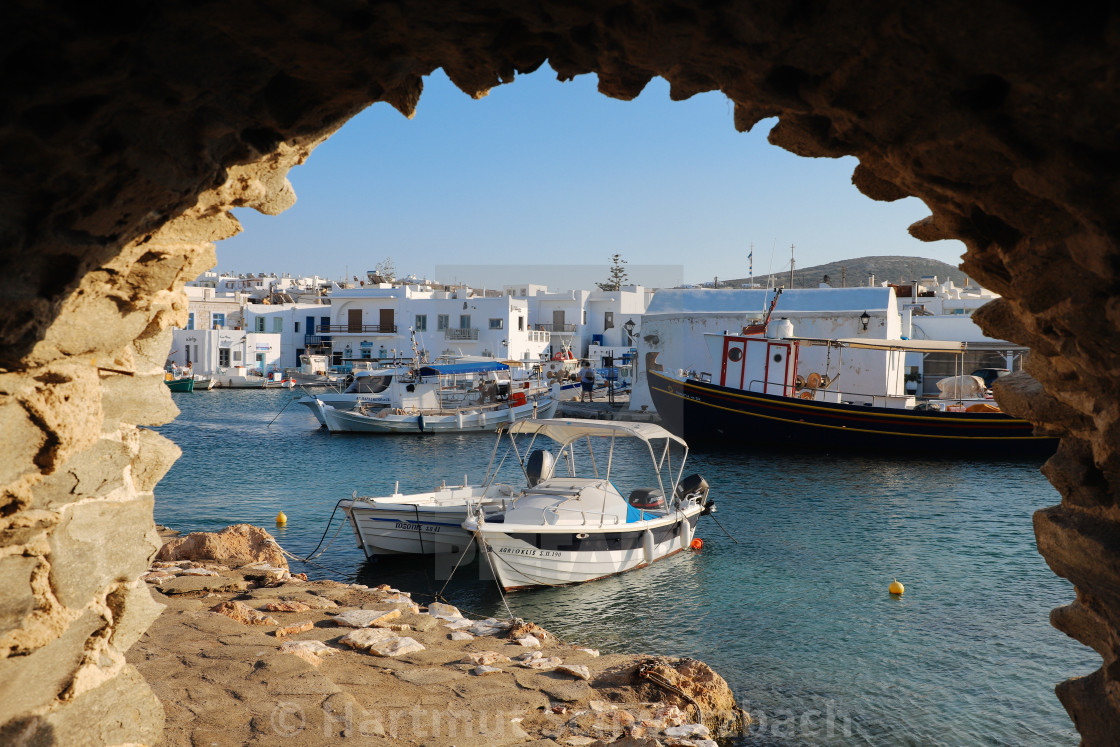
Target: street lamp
(865, 319)
(629, 327)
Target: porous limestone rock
(240, 544)
(286, 630)
(243, 613)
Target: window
(223, 357)
(258, 324)
(277, 324)
(443, 321)
(497, 323)
(464, 321)
(421, 322)
(336, 357)
(297, 327)
(217, 321)
(190, 320)
(236, 356)
(520, 324)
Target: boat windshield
(370, 384)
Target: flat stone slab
(396, 647)
(363, 638)
(365, 618)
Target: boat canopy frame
(568, 433)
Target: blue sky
(543, 172)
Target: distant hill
(855, 272)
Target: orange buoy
(696, 544)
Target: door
(353, 320)
(310, 326)
(734, 362)
(386, 321)
(558, 320)
(781, 366)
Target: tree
(386, 270)
(617, 275)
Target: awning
(909, 346)
(448, 369)
(566, 431)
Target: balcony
(309, 340)
(356, 329)
(461, 334)
(566, 327)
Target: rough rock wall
(127, 132)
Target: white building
(589, 323)
(209, 351)
(673, 327)
(933, 311)
(260, 285)
(374, 321)
(233, 328)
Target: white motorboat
(430, 522)
(422, 411)
(313, 371)
(373, 388)
(421, 523)
(575, 527)
(202, 383)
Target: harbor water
(787, 599)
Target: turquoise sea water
(794, 612)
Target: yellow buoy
(281, 520)
(896, 587)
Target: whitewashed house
(588, 323)
(295, 323)
(673, 328)
(377, 321)
(942, 311)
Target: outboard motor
(539, 466)
(647, 499)
(695, 487)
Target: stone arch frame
(128, 133)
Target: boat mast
(773, 303)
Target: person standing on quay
(587, 381)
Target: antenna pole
(791, 265)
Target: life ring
(805, 394)
(556, 357)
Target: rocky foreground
(247, 653)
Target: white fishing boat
(421, 523)
(313, 371)
(421, 410)
(576, 526)
(459, 384)
(202, 383)
(430, 522)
